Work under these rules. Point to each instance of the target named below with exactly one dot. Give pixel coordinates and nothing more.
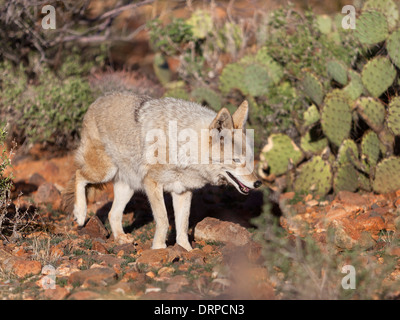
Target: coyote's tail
(68, 196)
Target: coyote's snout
(158, 145)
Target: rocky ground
(50, 258)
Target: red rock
(154, 257)
(59, 293)
(94, 228)
(37, 179)
(47, 193)
(84, 295)
(211, 229)
(22, 268)
(351, 198)
(93, 277)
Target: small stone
(23, 268)
(93, 277)
(47, 193)
(94, 228)
(37, 179)
(154, 257)
(58, 293)
(84, 295)
(211, 229)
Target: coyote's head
(231, 150)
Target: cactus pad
(372, 111)
(203, 94)
(393, 120)
(311, 115)
(336, 118)
(370, 148)
(393, 47)
(201, 23)
(387, 7)
(345, 178)
(347, 151)
(313, 87)
(312, 145)
(232, 78)
(257, 80)
(371, 28)
(314, 176)
(378, 75)
(337, 71)
(355, 87)
(387, 175)
(278, 153)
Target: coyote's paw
(186, 245)
(124, 238)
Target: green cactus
(355, 88)
(345, 178)
(387, 175)
(312, 145)
(279, 152)
(347, 151)
(324, 24)
(393, 47)
(204, 94)
(201, 23)
(257, 80)
(372, 111)
(378, 75)
(232, 78)
(337, 71)
(372, 28)
(311, 115)
(370, 149)
(314, 176)
(387, 7)
(364, 182)
(336, 118)
(274, 69)
(393, 120)
(313, 87)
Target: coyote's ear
(223, 120)
(240, 115)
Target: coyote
(114, 147)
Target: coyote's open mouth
(245, 190)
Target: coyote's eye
(236, 160)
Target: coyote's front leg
(154, 192)
(181, 203)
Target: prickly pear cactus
(355, 87)
(393, 119)
(347, 151)
(314, 176)
(345, 178)
(370, 149)
(372, 111)
(313, 87)
(378, 75)
(393, 47)
(387, 175)
(311, 115)
(256, 80)
(204, 94)
(387, 7)
(336, 118)
(372, 28)
(232, 78)
(278, 153)
(337, 71)
(312, 145)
